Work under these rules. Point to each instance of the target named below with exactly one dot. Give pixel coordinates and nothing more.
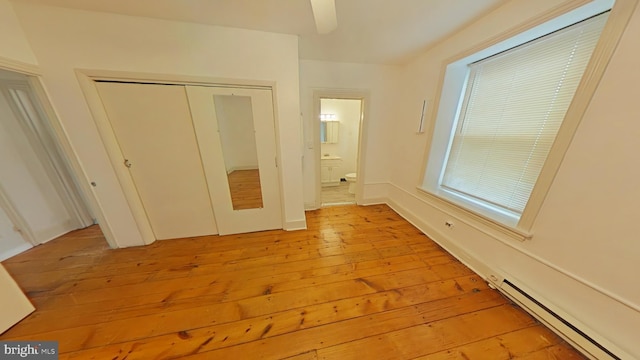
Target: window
(492, 138)
(513, 106)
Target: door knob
(127, 163)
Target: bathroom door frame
(341, 94)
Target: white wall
(13, 42)
(382, 84)
(13, 48)
(583, 257)
(584, 252)
(23, 178)
(64, 40)
(348, 114)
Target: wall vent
(578, 338)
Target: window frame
(454, 76)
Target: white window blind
(512, 108)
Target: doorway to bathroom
(340, 127)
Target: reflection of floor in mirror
(337, 195)
(244, 186)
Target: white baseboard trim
(441, 239)
(6, 254)
(374, 201)
(295, 225)
(574, 331)
(626, 302)
(54, 232)
(239, 168)
(311, 206)
(567, 327)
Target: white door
(153, 127)
(27, 184)
(14, 305)
(236, 135)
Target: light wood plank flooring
(244, 186)
(360, 283)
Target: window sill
(476, 220)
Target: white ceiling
(369, 31)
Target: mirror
(238, 139)
(329, 131)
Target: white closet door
(14, 305)
(236, 136)
(153, 127)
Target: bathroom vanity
(330, 170)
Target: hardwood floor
(360, 283)
(244, 186)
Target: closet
(202, 158)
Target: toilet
(351, 179)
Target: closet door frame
(87, 79)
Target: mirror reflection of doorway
(340, 121)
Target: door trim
(19, 67)
(110, 143)
(365, 98)
(168, 79)
(87, 79)
(41, 95)
(18, 221)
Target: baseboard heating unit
(576, 337)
